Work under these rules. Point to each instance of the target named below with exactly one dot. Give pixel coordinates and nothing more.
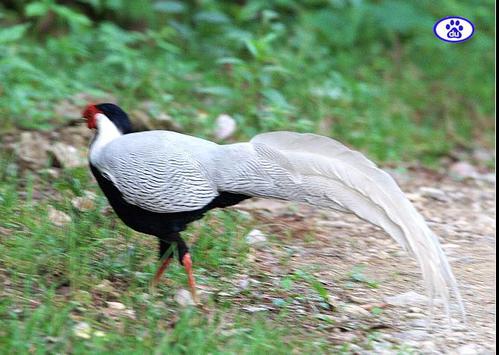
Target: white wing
(158, 171)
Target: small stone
(428, 346)
(52, 340)
(414, 197)
(434, 193)
(83, 297)
(82, 330)
(58, 218)
(489, 178)
(420, 323)
(255, 309)
(84, 203)
(225, 126)
(256, 238)
(483, 155)
(105, 287)
(184, 298)
(333, 301)
(414, 335)
(463, 170)
(116, 306)
(130, 313)
(355, 310)
(67, 156)
(244, 283)
(415, 310)
(404, 299)
(32, 150)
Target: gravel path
(462, 213)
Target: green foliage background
(370, 73)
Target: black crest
(117, 116)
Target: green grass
(51, 275)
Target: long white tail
(325, 173)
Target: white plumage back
(325, 173)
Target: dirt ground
(462, 213)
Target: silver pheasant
(171, 174)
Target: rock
(78, 136)
(84, 203)
(32, 150)
(355, 310)
(405, 299)
(463, 170)
(117, 310)
(414, 197)
(57, 217)
(105, 287)
(333, 301)
(488, 178)
(434, 193)
(225, 126)
(487, 223)
(413, 334)
(420, 323)
(82, 297)
(82, 330)
(483, 155)
(244, 283)
(116, 306)
(184, 298)
(256, 238)
(67, 156)
(428, 346)
(254, 309)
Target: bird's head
(100, 114)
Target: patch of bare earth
(333, 245)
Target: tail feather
(331, 175)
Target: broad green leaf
(36, 9)
(13, 33)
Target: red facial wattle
(89, 113)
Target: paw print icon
(454, 29)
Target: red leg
(161, 270)
(187, 262)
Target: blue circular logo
(454, 29)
